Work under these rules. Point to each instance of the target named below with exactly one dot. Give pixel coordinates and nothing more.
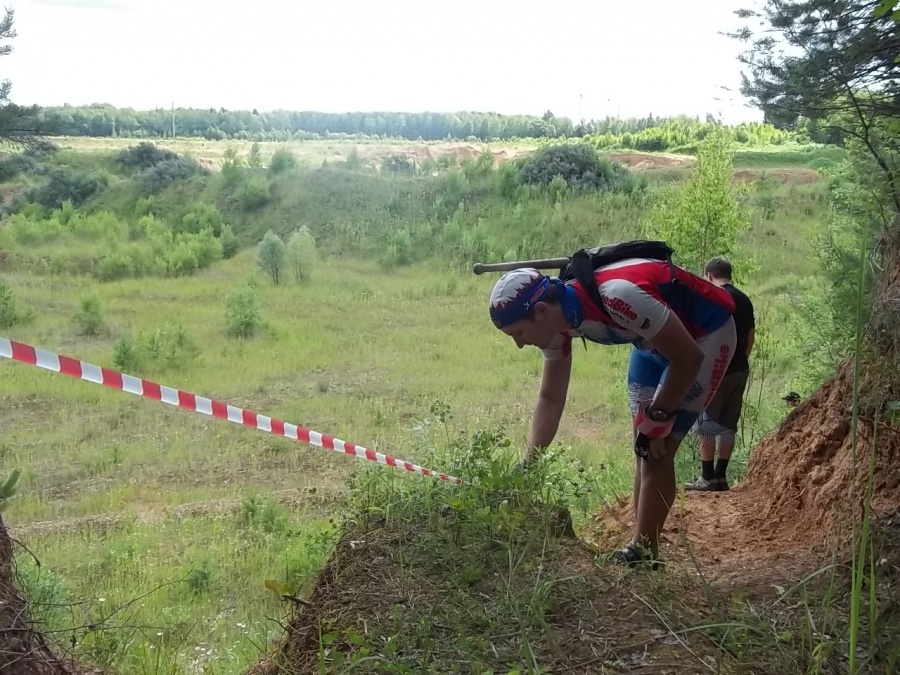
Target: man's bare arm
(685, 359)
(550, 404)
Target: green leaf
(328, 638)
(884, 7)
(8, 489)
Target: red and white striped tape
(57, 363)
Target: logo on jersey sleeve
(620, 307)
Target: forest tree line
(650, 133)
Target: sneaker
(701, 484)
(635, 556)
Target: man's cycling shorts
(647, 370)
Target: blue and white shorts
(647, 370)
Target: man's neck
(720, 282)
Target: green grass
(365, 350)
(357, 352)
(309, 152)
(810, 156)
(176, 593)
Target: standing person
(682, 336)
(718, 424)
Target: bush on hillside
(144, 156)
(73, 185)
(15, 165)
(109, 248)
(282, 160)
(89, 317)
(242, 313)
(41, 149)
(301, 253)
(229, 241)
(168, 347)
(159, 176)
(579, 165)
(271, 253)
(9, 316)
(253, 194)
(202, 215)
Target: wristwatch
(658, 414)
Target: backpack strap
(583, 269)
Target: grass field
(162, 526)
(309, 152)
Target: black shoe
(702, 484)
(635, 556)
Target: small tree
(301, 253)
(229, 241)
(271, 252)
(283, 160)
(254, 159)
(705, 217)
(90, 316)
(242, 314)
(9, 317)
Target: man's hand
(649, 448)
(650, 435)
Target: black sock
(721, 468)
(707, 469)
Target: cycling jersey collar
(571, 306)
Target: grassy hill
(167, 539)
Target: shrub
(202, 215)
(125, 356)
(159, 176)
(9, 316)
(253, 194)
(254, 159)
(89, 317)
(74, 185)
(578, 164)
(301, 253)
(169, 346)
(229, 242)
(283, 160)
(271, 252)
(144, 156)
(242, 315)
(15, 165)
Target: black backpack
(584, 262)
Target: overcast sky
(579, 58)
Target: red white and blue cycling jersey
(639, 296)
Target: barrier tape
(57, 363)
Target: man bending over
(682, 336)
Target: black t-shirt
(744, 320)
